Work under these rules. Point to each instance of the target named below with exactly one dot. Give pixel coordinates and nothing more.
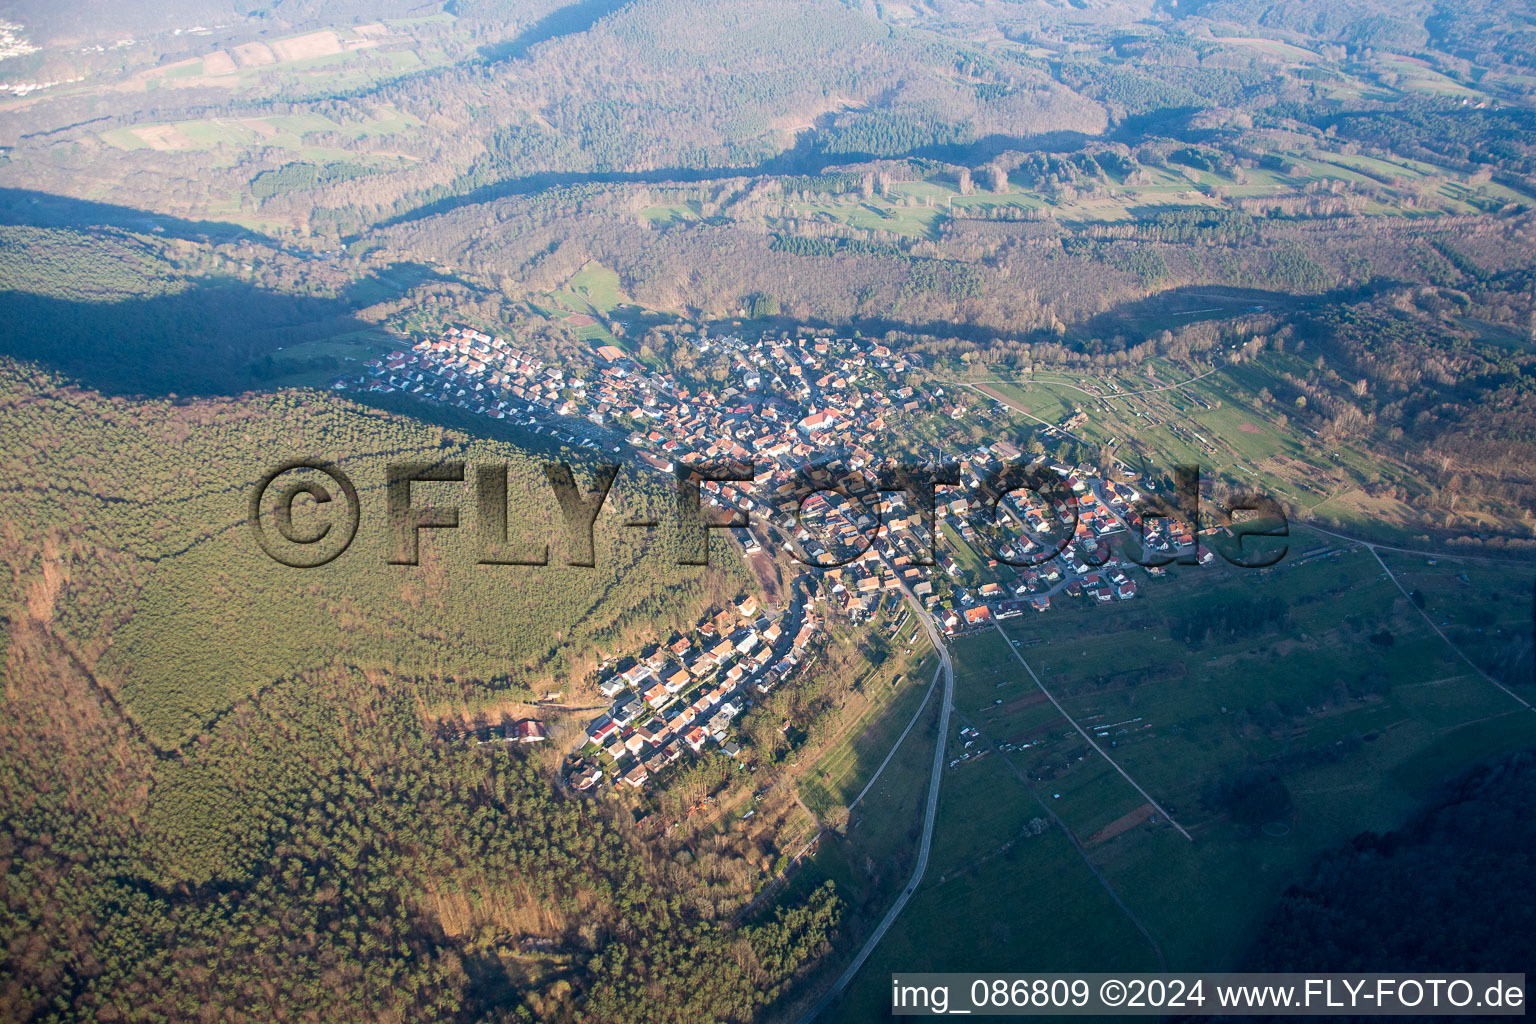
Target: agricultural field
(916, 209)
(872, 860)
(347, 57)
(868, 728)
(1214, 420)
(1351, 701)
(281, 132)
(1004, 885)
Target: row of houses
(685, 694)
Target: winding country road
(929, 815)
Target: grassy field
(349, 351)
(597, 287)
(1271, 47)
(1415, 76)
(665, 213)
(1003, 899)
(915, 209)
(593, 294)
(1220, 423)
(1003, 894)
(283, 131)
(878, 214)
(874, 859)
(1352, 701)
(888, 698)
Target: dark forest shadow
(566, 21)
(807, 157)
(40, 209)
(1187, 304)
(215, 337)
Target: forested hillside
(159, 587)
(632, 94)
(319, 853)
(216, 767)
(1444, 893)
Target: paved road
(931, 812)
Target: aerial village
(793, 404)
(685, 694)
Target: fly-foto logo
(333, 511)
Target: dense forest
(320, 854)
(160, 586)
(1446, 892)
(212, 766)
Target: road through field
(931, 812)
